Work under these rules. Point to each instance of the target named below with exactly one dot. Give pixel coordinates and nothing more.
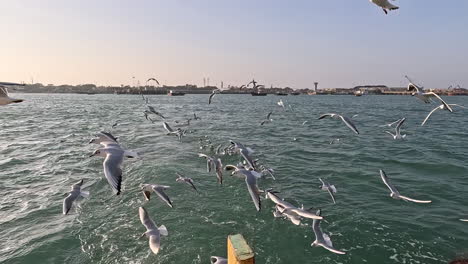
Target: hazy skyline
(339, 43)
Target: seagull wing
(331, 249)
(387, 182)
(331, 194)
(326, 115)
(112, 170)
(268, 116)
(251, 182)
(167, 127)
(430, 113)
(155, 243)
(349, 123)
(159, 190)
(67, 202)
(3, 92)
(145, 219)
(211, 97)
(440, 99)
(414, 200)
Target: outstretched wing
(429, 115)
(414, 200)
(349, 123)
(387, 182)
(112, 169)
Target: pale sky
(339, 43)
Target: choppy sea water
(44, 150)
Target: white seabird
(322, 239)
(158, 190)
(187, 180)
(245, 152)
(440, 107)
(267, 120)
(112, 165)
(398, 135)
(394, 192)
(385, 5)
(5, 99)
(215, 163)
(345, 120)
(153, 232)
(330, 188)
(213, 93)
(73, 195)
(251, 182)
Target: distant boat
(295, 93)
(258, 94)
(173, 93)
(358, 93)
(281, 94)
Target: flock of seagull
(249, 169)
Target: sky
(338, 43)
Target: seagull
(73, 195)
(394, 192)
(303, 123)
(114, 156)
(267, 120)
(251, 182)
(218, 260)
(398, 135)
(441, 107)
(216, 163)
(195, 117)
(187, 180)
(322, 239)
(159, 190)
(425, 96)
(328, 187)
(5, 99)
(385, 5)
(345, 120)
(464, 220)
(280, 103)
(179, 132)
(293, 217)
(301, 212)
(270, 194)
(213, 93)
(153, 232)
(245, 152)
(153, 111)
(109, 141)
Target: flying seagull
(328, 187)
(5, 99)
(153, 232)
(251, 182)
(425, 96)
(114, 156)
(245, 152)
(73, 195)
(218, 260)
(280, 103)
(267, 120)
(398, 135)
(213, 93)
(211, 163)
(441, 107)
(322, 239)
(385, 5)
(293, 217)
(159, 190)
(187, 180)
(394, 192)
(345, 120)
(179, 132)
(301, 212)
(151, 110)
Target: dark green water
(44, 149)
